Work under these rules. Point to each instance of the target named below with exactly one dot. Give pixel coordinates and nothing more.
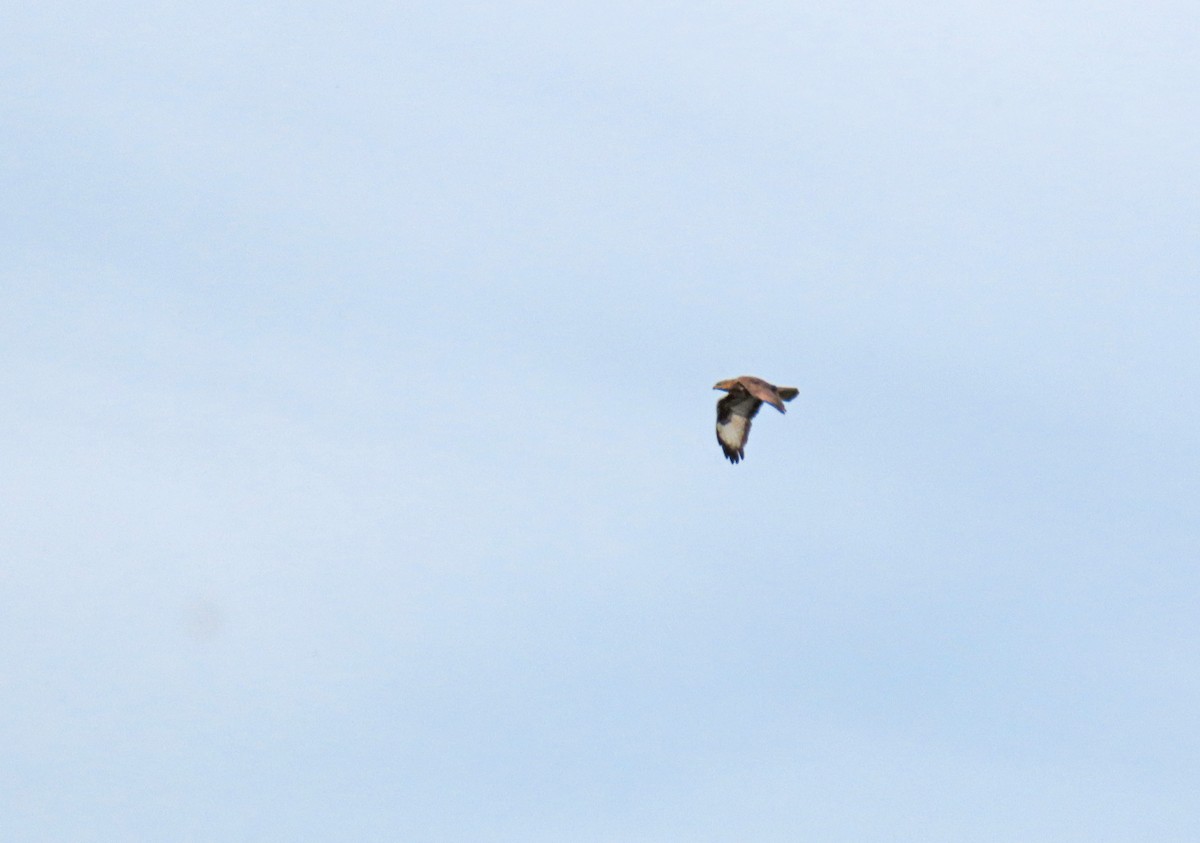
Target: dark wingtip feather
(731, 454)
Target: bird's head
(725, 385)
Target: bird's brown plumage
(735, 410)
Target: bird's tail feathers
(787, 393)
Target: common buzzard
(734, 411)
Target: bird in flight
(734, 411)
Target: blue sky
(359, 474)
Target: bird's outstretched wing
(734, 413)
(767, 392)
